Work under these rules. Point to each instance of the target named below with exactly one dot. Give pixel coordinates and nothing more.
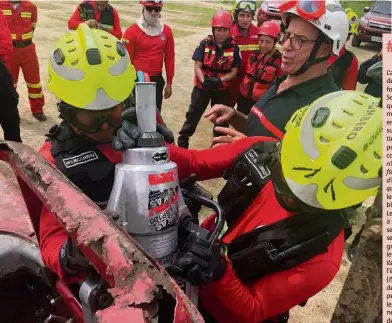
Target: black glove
(211, 83)
(72, 260)
(129, 132)
(196, 261)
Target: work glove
(72, 261)
(196, 262)
(190, 185)
(128, 134)
(211, 83)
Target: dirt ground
(52, 23)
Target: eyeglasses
(91, 121)
(296, 42)
(307, 9)
(243, 5)
(151, 9)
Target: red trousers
(26, 59)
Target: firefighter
(245, 36)
(307, 43)
(217, 59)
(22, 20)
(282, 203)
(9, 114)
(262, 69)
(97, 14)
(150, 43)
(344, 67)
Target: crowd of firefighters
(293, 158)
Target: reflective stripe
(7, 12)
(35, 96)
(13, 36)
(28, 35)
(25, 14)
(125, 41)
(34, 24)
(248, 47)
(206, 50)
(266, 123)
(34, 85)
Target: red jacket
(148, 53)
(229, 300)
(21, 21)
(351, 74)
(5, 38)
(75, 20)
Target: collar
(311, 85)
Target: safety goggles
(296, 42)
(307, 9)
(91, 121)
(244, 5)
(152, 8)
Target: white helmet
(333, 23)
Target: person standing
(245, 35)
(217, 59)
(150, 43)
(22, 20)
(97, 14)
(262, 69)
(9, 114)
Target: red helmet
(269, 28)
(222, 19)
(152, 3)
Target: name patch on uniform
(261, 169)
(80, 159)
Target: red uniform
(247, 45)
(349, 75)
(148, 53)
(113, 22)
(5, 38)
(228, 299)
(22, 22)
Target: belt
(22, 43)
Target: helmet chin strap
(312, 60)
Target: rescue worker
(283, 205)
(22, 20)
(245, 36)
(97, 14)
(150, 43)
(217, 60)
(262, 69)
(9, 114)
(374, 86)
(309, 40)
(344, 67)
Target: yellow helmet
(90, 69)
(331, 154)
(353, 19)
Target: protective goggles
(91, 121)
(245, 5)
(307, 9)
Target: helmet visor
(247, 6)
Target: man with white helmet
(314, 31)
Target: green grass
(197, 21)
(179, 33)
(357, 6)
(170, 6)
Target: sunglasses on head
(151, 9)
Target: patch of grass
(197, 21)
(180, 33)
(357, 6)
(171, 6)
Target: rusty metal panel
(135, 279)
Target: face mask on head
(151, 20)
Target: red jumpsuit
(75, 20)
(21, 23)
(5, 38)
(247, 45)
(228, 299)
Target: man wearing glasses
(150, 43)
(314, 31)
(97, 14)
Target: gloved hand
(196, 261)
(129, 132)
(72, 260)
(211, 83)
